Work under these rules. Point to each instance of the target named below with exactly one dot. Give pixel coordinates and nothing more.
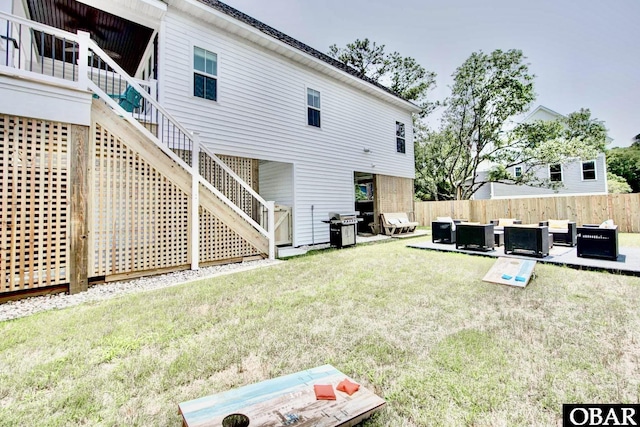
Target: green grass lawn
(419, 328)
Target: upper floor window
(517, 171)
(313, 107)
(589, 170)
(555, 173)
(400, 139)
(205, 74)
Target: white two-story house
(110, 103)
(578, 178)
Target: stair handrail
(84, 82)
(132, 82)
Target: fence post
(195, 202)
(83, 63)
(272, 232)
(79, 210)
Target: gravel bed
(28, 306)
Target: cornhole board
(510, 271)
(285, 401)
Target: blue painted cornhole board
(285, 401)
(510, 271)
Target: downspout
(313, 233)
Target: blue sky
(585, 54)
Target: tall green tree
(489, 91)
(401, 74)
(625, 162)
(617, 184)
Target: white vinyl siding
(260, 116)
(572, 182)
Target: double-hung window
(555, 173)
(313, 107)
(517, 171)
(400, 138)
(589, 170)
(205, 74)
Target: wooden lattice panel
(218, 242)
(243, 167)
(34, 203)
(140, 218)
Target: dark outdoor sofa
(527, 240)
(475, 236)
(444, 231)
(596, 242)
(561, 234)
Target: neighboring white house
(250, 91)
(577, 177)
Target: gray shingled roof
(278, 35)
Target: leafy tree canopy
(617, 184)
(625, 162)
(403, 75)
(489, 91)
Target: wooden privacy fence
(623, 209)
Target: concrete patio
(628, 262)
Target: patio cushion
(559, 224)
(447, 219)
(503, 222)
(607, 224)
(348, 386)
(324, 392)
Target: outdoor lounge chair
(475, 236)
(129, 100)
(595, 241)
(564, 231)
(443, 230)
(527, 240)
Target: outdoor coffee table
(499, 236)
(284, 401)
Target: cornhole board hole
(510, 271)
(289, 400)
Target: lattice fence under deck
(34, 203)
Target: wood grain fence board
(622, 208)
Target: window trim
(403, 138)
(194, 71)
(561, 172)
(515, 171)
(311, 107)
(595, 170)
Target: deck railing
(32, 50)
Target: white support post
(195, 202)
(271, 230)
(83, 62)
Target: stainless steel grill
(342, 228)
(343, 218)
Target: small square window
(555, 173)
(313, 107)
(589, 170)
(205, 66)
(400, 138)
(517, 171)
